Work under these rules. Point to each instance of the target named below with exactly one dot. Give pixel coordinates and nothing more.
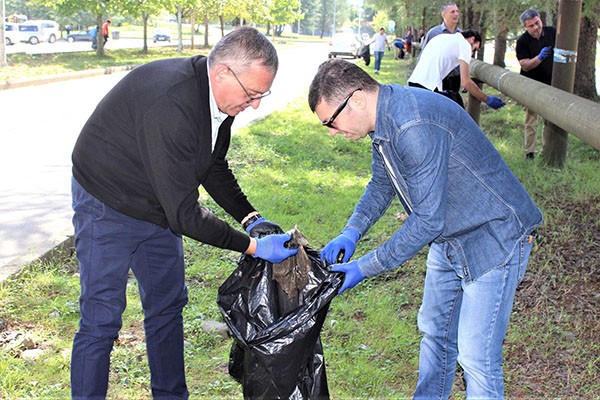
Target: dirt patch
(557, 308)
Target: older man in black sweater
(158, 135)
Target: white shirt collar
(216, 116)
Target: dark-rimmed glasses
(329, 123)
(250, 97)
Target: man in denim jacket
(462, 200)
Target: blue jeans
(378, 57)
(108, 245)
(466, 322)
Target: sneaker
(530, 156)
(376, 71)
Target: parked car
(161, 35)
(35, 31)
(11, 33)
(51, 29)
(81, 36)
(344, 44)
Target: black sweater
(146, 149)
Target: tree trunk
(179, 35)
(145, 21)
(206, 31)
(585, 70)
(192, 27)
(563, 75)
(500, 40)
(99, 37)
(500, 47)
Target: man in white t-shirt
(380, 42)
(444, 53)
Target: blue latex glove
(494, 102)
(544, 53)
(353, 274)
(345, 242)
(272, 249)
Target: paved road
(39, 126)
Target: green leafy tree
(99, 9)
(143, 9)
(283, 12)
(311, 15)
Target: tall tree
(585, 71)
(283, 12)
(143, 9)
(99, 9)
(311, 14)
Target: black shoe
(530, 155)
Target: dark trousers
(452, 95)
(108, 245)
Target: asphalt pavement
(38, 128)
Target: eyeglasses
(340, 108)
(250, 97)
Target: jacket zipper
(402, 197)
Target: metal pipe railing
(574, 114)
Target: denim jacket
(451, 181)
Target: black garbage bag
(364, 52)
(275, 313)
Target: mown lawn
(296, 174)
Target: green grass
(296, 174)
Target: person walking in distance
(535, 52)
(380, 42)
(105, 29)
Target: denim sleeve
(419, 156)
(375, 200)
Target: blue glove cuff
(351, 233)
(252, 222)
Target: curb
(50, 250)
(7, 85)
(52, 253)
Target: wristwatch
(251, 220)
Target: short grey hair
(244, 47)
(528, 14)
(446, 5)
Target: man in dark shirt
(158, 135)
(534, 52)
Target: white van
(51, 29)
(35, 31)
(11, 33)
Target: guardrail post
(563, 74)
(474, 105)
